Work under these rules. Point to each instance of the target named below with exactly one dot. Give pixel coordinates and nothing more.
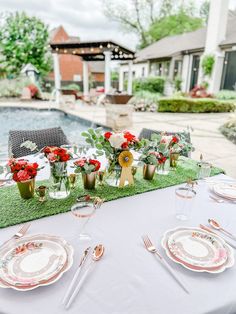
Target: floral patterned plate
(34, 261)
(225, 190)
(226, 255)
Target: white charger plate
(225, 190)
(36, 265)
(218, 269)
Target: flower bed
(195, 105)
(229, 130)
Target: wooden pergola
(93, 51)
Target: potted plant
(24, 174)
(88, 168)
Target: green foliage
(24, 40)
(145, 101)
(194, 105)
(72, 86)
(177, 83)
(150, 84)
(204, 10)
(179, 23)
(12, 88)
(114, 76)
(226, 94)
(207, 64)
(229, 130)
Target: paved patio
(206, 137)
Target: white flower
(166, 139)
(116, 140)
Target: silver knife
(82, 261)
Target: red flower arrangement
(56, 154)
(87, 166)
(121, 140)
(23, 170)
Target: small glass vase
(89, 180)
(113, 177)
(26, 188)
(149, 171)
(163, 168)
(174, 159)
(59, 181)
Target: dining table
(128, 279)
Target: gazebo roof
(94, 50)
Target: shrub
(207, 64)
(145, 101)
(226, 94)
(13, 87)
(150, 84)
(194, 105)
(229, 130)
(72, 87)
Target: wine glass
(83, 210)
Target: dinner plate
(225, 190)
(34, 261)
(217, 268)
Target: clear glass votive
(184, 198)
(204, 170)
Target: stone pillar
(130, 78)
(85, 79)
(107, 71)
(57, 76)
(121, 79)
(216, 32)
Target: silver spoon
(217, 226)
(96, 256)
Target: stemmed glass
(83, 210)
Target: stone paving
(206, 137)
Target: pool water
(29, 119)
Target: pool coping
(75, 115)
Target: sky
(83, 18)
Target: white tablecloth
(129, 280)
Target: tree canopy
(23, 40)
(178, 23)
(152, 20)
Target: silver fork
(20, 233)
(151, 248)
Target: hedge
(150, 84)
(229, 130)
(194, 105)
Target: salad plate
(202, 256)
(34, 261)
(225, 190)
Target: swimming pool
(31, 119)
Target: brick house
(71, 66)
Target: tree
(23, 40)
(152, 20)
(176, 24)
(204, 10)
(133, 15)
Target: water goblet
(184, 197)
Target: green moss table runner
(15, 210)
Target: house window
(177, 68)
(143, 72)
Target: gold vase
(89, 180)
(149, 171)
(174, 159)
(26, 188)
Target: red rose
(130, 137)
(107, 135)
(65, 157)
(125, 145)
(96, 164)
(175, 139)
(23, 175)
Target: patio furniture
(42, 138)
(147, 133)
